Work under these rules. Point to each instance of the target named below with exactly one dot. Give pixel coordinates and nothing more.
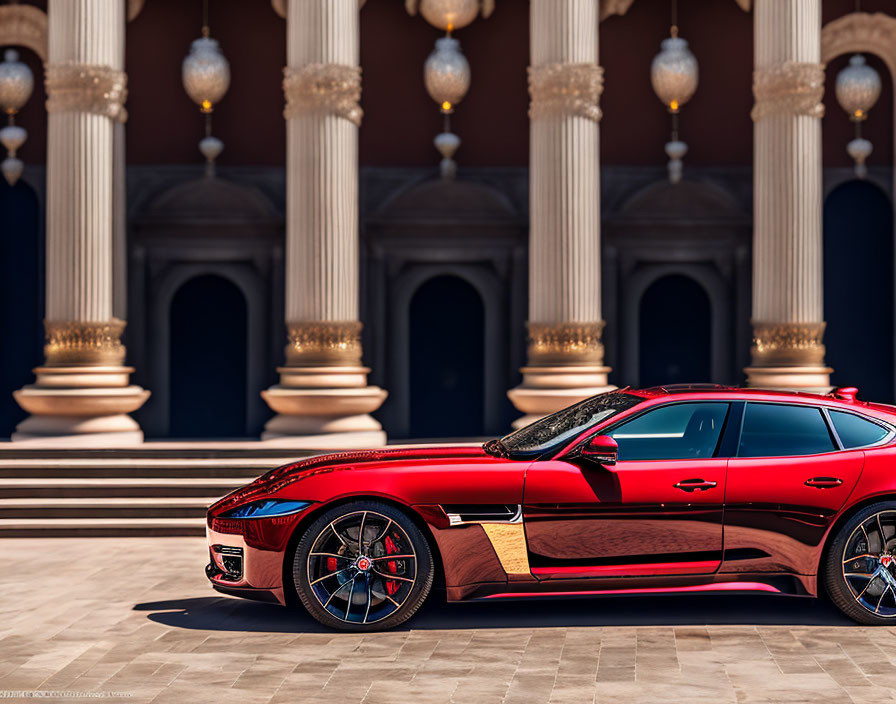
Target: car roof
(706, 391)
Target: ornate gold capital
(80, 343)
(73, 87)
(552, 344)
(790, 88)
(787, 344)
(323, 343)
(566, 89)
(331, 89)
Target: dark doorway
(447, 338)
(208, 360)
(675, 332)
(21, 286)
(858, 289)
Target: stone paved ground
(135, 617)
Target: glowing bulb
(859, 114)
(206, 106)
(446, 106)
(673, 106)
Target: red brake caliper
(391, 566)
(332, 564)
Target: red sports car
(686, 488)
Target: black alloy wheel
(860, 573)
(363, 566)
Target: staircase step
(241, 468)
(156, 489)
(100, 527)
(43, 487)
(105, 507)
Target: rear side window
(856, 432)
(775, 430)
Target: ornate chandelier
(16, 85)
(858, 88)
(206, 78)
(446, 72)
(674, 76)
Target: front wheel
(860, 573)
(363, 566)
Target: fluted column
(323, 399)
(565, 353)
(82, 393)
(788, 85)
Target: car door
(657, 511)
(788, 480)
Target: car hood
(397, 456)
(418, 457)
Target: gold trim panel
(509, 543)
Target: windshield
(562, 426)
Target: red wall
(401, 120)
(164, 124)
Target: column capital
(790, 88)
(333, 89)
(90, 88)
(566, 89)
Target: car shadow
(214, 613)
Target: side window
(856, 432)
(674, 432)
(775, 430)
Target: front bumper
(238, 569)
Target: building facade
(324, 285)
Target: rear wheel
(363, 566)
(860, 573)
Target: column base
(324, 407)
(80, 407)
(546, 390)
(813, 379)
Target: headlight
(266, 508)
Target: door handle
(823, 482)
(694, 485)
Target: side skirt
(787, 584)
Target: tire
(350, 588)
(860, 569)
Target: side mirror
(601, 449)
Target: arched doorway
(858, 288)
(675, 332)
(208, 353)
(20, 296)
(447, 339)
